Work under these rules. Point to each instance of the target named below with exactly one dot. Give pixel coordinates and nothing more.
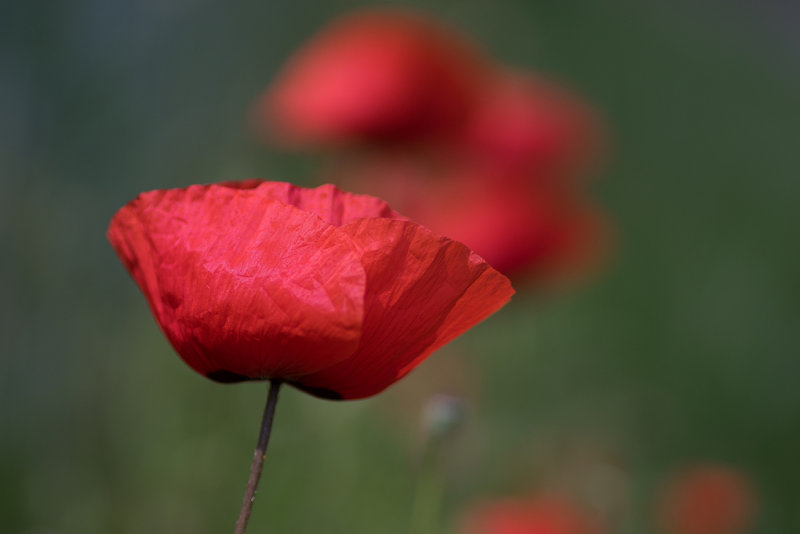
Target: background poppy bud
(373, 76)
(333, 292)
(442, 415)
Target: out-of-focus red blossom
(540, 515)
(333, 292)
(521, 232)
(523, 228)
(524, 124)
(708, 499)
(374, 76)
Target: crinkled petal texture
(423, 290)
(244, 281)
(262, 280)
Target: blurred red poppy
(380, 75)
(521, 231)
(540, 515)
(332, 292)
(536, 230)
(707, 499)
(525, 124)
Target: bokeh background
(682, 350)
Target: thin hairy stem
(258, 458)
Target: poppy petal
(243, 286)
(423, 290)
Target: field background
(684, 349)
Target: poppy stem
(258, 458)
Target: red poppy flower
(374, 76)
(332, 292)
(707, 500)
(530, 125)
(540, 515)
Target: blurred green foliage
(685, 349)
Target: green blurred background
(684, 349)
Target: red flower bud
(332, 292)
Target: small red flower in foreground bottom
(707, 500)
(542, 515)
(332, 292)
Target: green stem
(258, 458)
